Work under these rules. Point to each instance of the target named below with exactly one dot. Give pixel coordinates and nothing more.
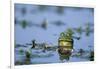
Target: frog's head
(68, 34)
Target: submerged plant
(21, 51)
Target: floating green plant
(28, 54)
(24, 24)
(79, 30)
(21, 51)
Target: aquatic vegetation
(28, 54)
(60, 10)
(18, 63)
(44, 24)
(49, 37)
(33, 44)
(88, 29)
(89, 24)
(21, 51)
(23, 10)
(27, 61)
(24, 24)
(58, 23)
(81, 52)
(79, 30)
(91, 57)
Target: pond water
(29, 25)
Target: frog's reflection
(64, 55)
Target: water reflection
(64, 56)
(46, 37)
(29, 55)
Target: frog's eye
(68, 35)
(62, 34)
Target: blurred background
(44, 24)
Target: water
(71, 17)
